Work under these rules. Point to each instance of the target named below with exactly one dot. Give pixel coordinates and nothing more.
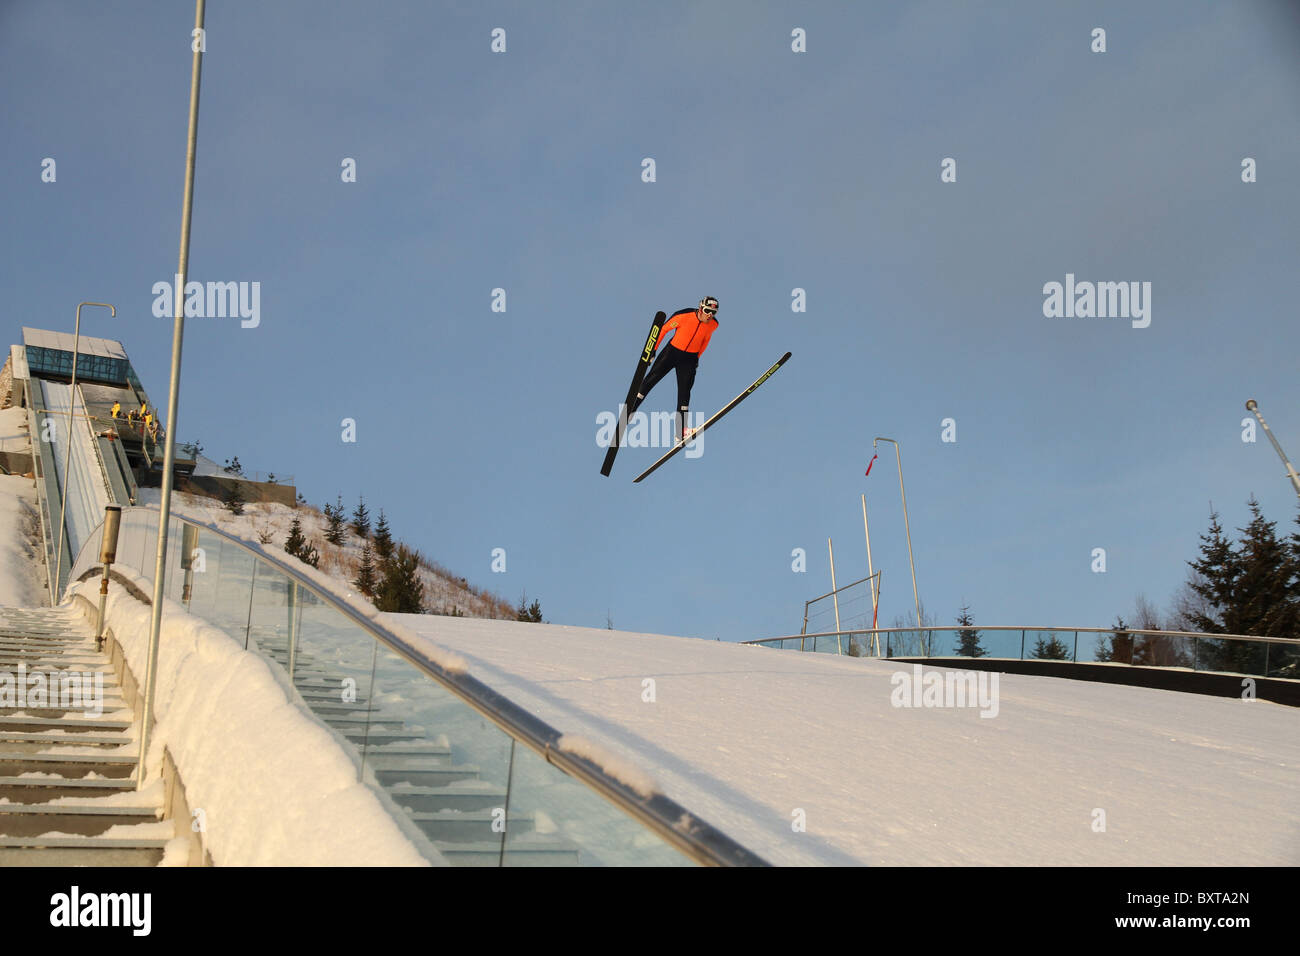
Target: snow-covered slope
(757, 740)
(443, 592)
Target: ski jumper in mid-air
(692, 329)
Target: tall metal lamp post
(173, 397)
(906, 524)
(67, 457)
(1253, 406)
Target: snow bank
(21, 562)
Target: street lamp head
(1250, 405)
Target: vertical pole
(835, 598)
(173, 391)
(875, 591)
(906, 524)
(295, 615)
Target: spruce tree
(968, 638)
(234, 498)
(383, 538)
(361, 520)
(1119, 648)
(297, 545)
(528, 612)
(401, 589)
(1263, 605)
(1051, 649)
(334, 522)
(366, 580)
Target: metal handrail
(1031, 627)
(677, 826)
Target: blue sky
(775, 170)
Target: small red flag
(869, 464)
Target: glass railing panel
(1283, 660)
(275, 604)
(446, 766)
(231, 582)
(554, 820)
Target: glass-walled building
(49, 355)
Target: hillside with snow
(268, 523)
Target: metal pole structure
(1290, 469)
(875, 592)
(835, 599)
(173, 396)
(67, 458)
(906, 524)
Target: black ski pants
(686, 364)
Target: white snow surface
(13, 431)
(21, 562)
(754, 740)
(274, 784)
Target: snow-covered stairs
(457, 810)
(67, 770)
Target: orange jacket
(692, 334)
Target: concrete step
(70, 724)
(46, 788)
(79, 851)
(56, 711)
(359, 735)
(410, 749)
(48, 660)
(31, 743)
(31, 820)
(424, 774)
(344, 723)
(328, 707)
(68, 765)
(466, 795)
(517, 853)
(473, 826)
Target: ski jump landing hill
(313, 729)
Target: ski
(642, 363)
(725, 408)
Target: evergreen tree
(1119, 647)
(401, 589)
(298, 546)
(361, 520)
(233, 467)
(1247, 590)
(1215, 579)
(367, 580)
(383, 538)
(1264, 592)
(529, 612)
(234, 498)
(334, 522)
(1051, 649)
(968, 638)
